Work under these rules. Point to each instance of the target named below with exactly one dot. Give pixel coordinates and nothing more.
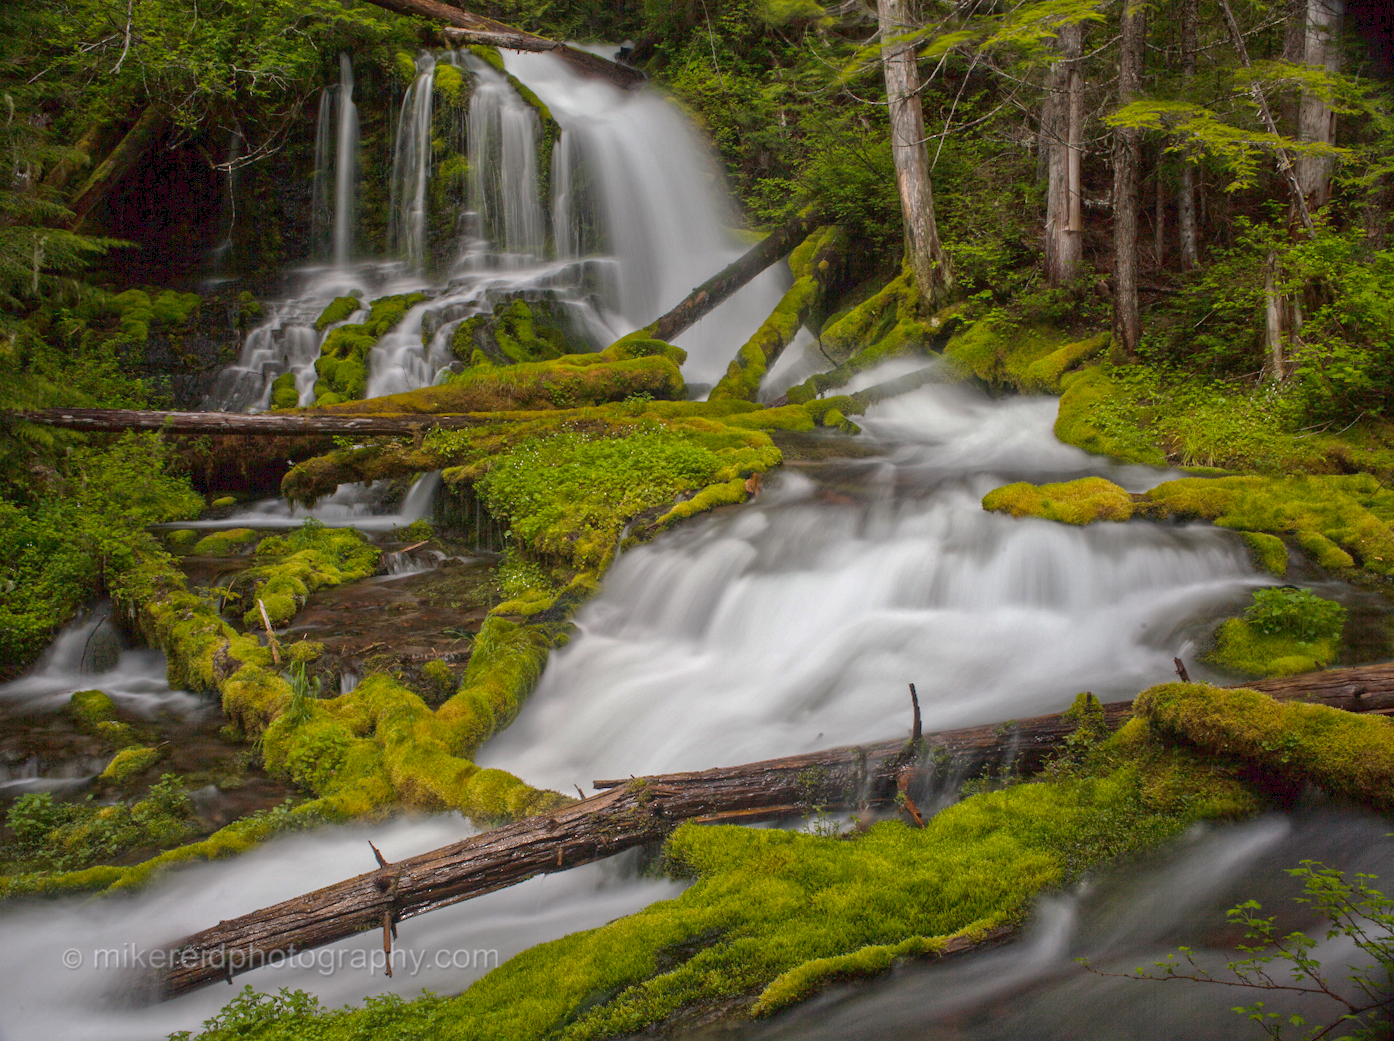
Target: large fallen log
(634, 811)
(467, 27)
(266, 424)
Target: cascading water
(502, 138)
(333, 212)
(797, 622)
(411, 165)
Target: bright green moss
(181, 540)
(222, 502)
(1045, 372)
(490, 55)
(1345, 754)
(172, 308)
(1084, 501)
(515, 332)
(1337, 519)
(90, 707)
(1000, 351)
(225, 543)
(130, 761)
(339, 309)
(1269, 553)
(449, 84)
(290, 567)
(1095, 415)
(1285, 631)
(283, 392)
(404, 65)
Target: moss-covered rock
(91, 707)
(1084, 501)
(227, 543)
(1085, 420)
(1268, 552)
(291, 567)
(339, 308)
(516, 331)
(283, 392)
(1284, 631)
(130, 761)
(342, 366)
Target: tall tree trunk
(1062, 137)
(1127, 163)
(1186, 228)
(1315, 121)
(1273, 309)
(142, 137)
(1159, 230)
(933, 275)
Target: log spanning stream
(784, 627)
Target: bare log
(633, 811)
(467, 27)
(769, 250)
(266, 424)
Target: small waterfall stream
(411, 164)
(334, 204)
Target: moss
(283, 392)
(181, 540)
(1283, 632)
(515, 332)
(222, 502)
(342, 366)
(1345, 754)
(91, 707)
(1268, 552)
(404, 65)
(1337, 519)
(130, 761)
(290, 567)
(1084, 501)
(490, 55)
(1044, 374)
(225, 543)
(449, 84)
(1000, 350)
(339, 308)
(438, 676)
(781, 914)
(1085, 420)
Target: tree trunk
(1159, 229)
(146, 133)
(773, 248)
(1062, 137)
(100, 137)
(1315, 121)
(1127, 164)
(1186, 229)
(637, 811)
(467, 27)
(933, 274)
(1273, 307)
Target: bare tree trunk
(1315, 121)
(1273, 308)
(933, 274)
(1062, 136)
(1127, 163)
(148, 130)
(1186, 228)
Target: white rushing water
(47, 992)
(796, 622)
(352, 506)
(334, 203)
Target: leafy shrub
(1295, 613)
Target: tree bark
(1187, 232)
(1062, 135)
(467, 27)
(99, 138)
(773, 248)
(1315, 121)
(933, 273)
(269, 424)
(146, 133)
(634, 811)
(1127, 164)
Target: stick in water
(270, 636)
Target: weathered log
(773, 248)
(633, 811)
(148, 130)
(467, 27)
(266, 424)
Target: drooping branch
(467, 27)
(633, 811)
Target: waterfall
(411, 167)
(502, 141)
(333, 207)
(345, 166)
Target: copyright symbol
(72, 958)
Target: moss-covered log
(634, 811)
(466, 27)
(815, 263)
(244, 424)
(148, 130)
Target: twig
(270, 636)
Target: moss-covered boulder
(1084, 501)
(342, 365)
(1284, 631)
(226, 543)
(516, 331)
(130, 761)
(290, 567)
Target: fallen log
(773, 248)
(468, 27)
(265, 424)
(634, 811)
